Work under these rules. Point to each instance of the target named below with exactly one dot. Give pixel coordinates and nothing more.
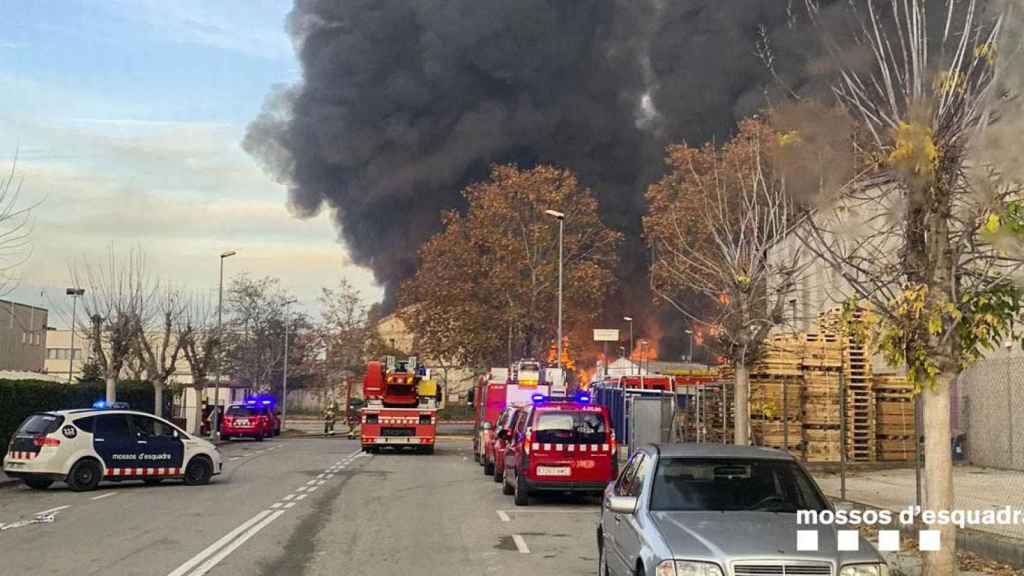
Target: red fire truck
(401, 406)
(494, 392)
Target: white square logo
(928, 541)
(889, 540)
(848, 540)
(807, 540)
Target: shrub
(20, 398)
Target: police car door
(156, 446)
(113, 443)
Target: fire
(645, 350)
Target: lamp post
(690, 334)
(74, 293)
(630, 320)
(215, 413)
(561, 225)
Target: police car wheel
(259, 437)
(37, 483)
(521, 496)
(488, 467)
(499, 476)
(85, 475)
(506, 488)
(198, 472)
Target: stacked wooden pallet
(894, 409)
(860, 403)
(820, 411)
(775, 434)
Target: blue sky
(127, 116)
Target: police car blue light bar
(537, 398)
(583, 397)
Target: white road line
(311, 482)
(300, 497)
(275, 505)
(224, 552)
(52, 510)
(102, 496)
(289, 497)
(236, 458)
(520, 544)
(321, 482)
(504, 517)
(289, 505)
(329, 476)
(311, 489)
(321, 475)
(193, 561)
(300, 489)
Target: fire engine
(401, 405)
(496, 391)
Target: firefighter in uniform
(329, 414)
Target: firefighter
(329, 414)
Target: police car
(84, 446)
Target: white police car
(82, 447)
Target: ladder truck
(401, 406)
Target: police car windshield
(39, 424)
(570, 427)
(242, 411)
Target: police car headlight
(865, 570)
(687, 568)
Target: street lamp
(215, 413)
(690, 334)
(630, 320)
(561, 224)
(74, 293)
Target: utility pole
(215, 412)
(74, 293)
(630, 320)
(284, 376)
(561, 225)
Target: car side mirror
(622, 504)
(487, 426)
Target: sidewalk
(975, 488)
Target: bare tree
(200, 342)
(343, 330)
(15, 229)
(156, 342)
(712, 225)
(924, 232)
(118, 292)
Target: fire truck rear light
(42, 441)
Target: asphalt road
(301, 506)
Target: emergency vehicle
(401, 405)
(560, 444)
(502, 431)
(248, 420)
(84, 446)
(495, 395)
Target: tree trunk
(197, 411)
(111, 390)
(741, 405)
(158, 399)
(938, 468)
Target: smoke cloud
(404, 102)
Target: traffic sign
(606, 335)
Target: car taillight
(528, 441)
(44, 441)
(611, 443)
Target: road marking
(321, 475)
(311, 482)
(224, 552)
(300, 497)
(289, 505)
(504, 517)
(289, 497)
(311, 489)
(520, 544)
(321, 482)
(559, 511)
(52, 510)
(193, 561)
(329, 476)
(236, 457)
(275, 505)
(300, 489)
(102, 496)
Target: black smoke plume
(404, 102)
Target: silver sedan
(717, 510)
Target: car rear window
(687, 484)
(40, 424)
(570, 427)
(242, 411)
